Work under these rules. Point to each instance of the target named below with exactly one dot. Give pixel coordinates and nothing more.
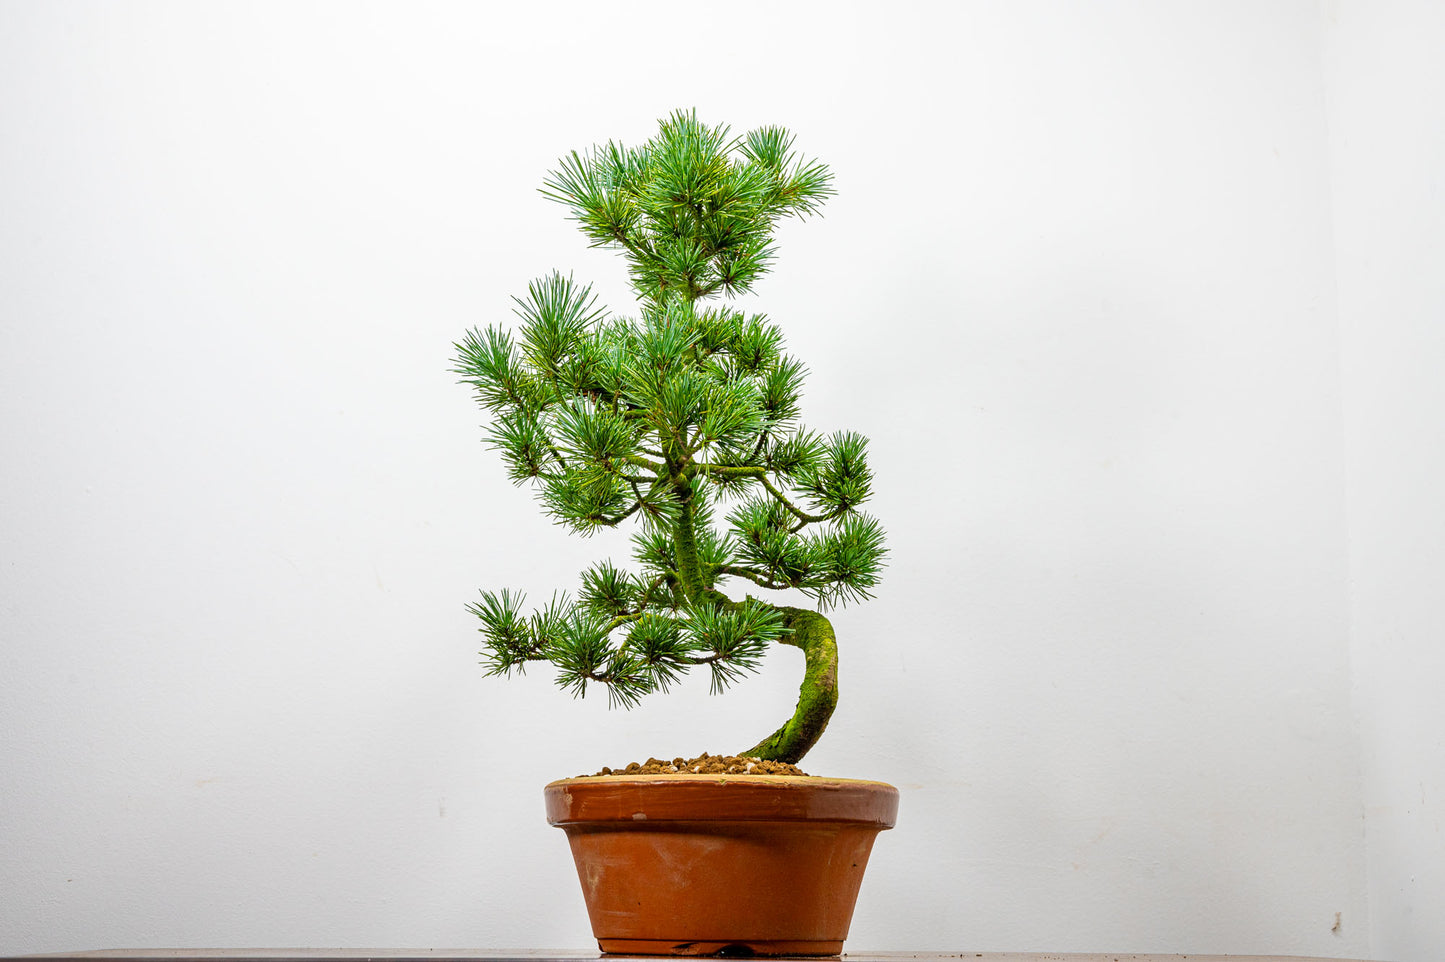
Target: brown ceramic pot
(709, 864)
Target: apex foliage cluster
(685, 418)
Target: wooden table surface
(505, 955)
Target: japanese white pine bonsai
(682, 418)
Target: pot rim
(635, 801)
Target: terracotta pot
(709, 864)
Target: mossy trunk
(818, 695)
(684, 542)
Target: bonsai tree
(682, 419)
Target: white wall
(1078, 286)
(1387, 111)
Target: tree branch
(733, 471)
(756, 577)
(804, 518)
(621, 620)
(615, 521)
(762, 440)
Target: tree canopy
(683, 418)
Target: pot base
(744, 949)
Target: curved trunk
(818, 695)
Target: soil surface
(706, 764)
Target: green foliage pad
(683, 418)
